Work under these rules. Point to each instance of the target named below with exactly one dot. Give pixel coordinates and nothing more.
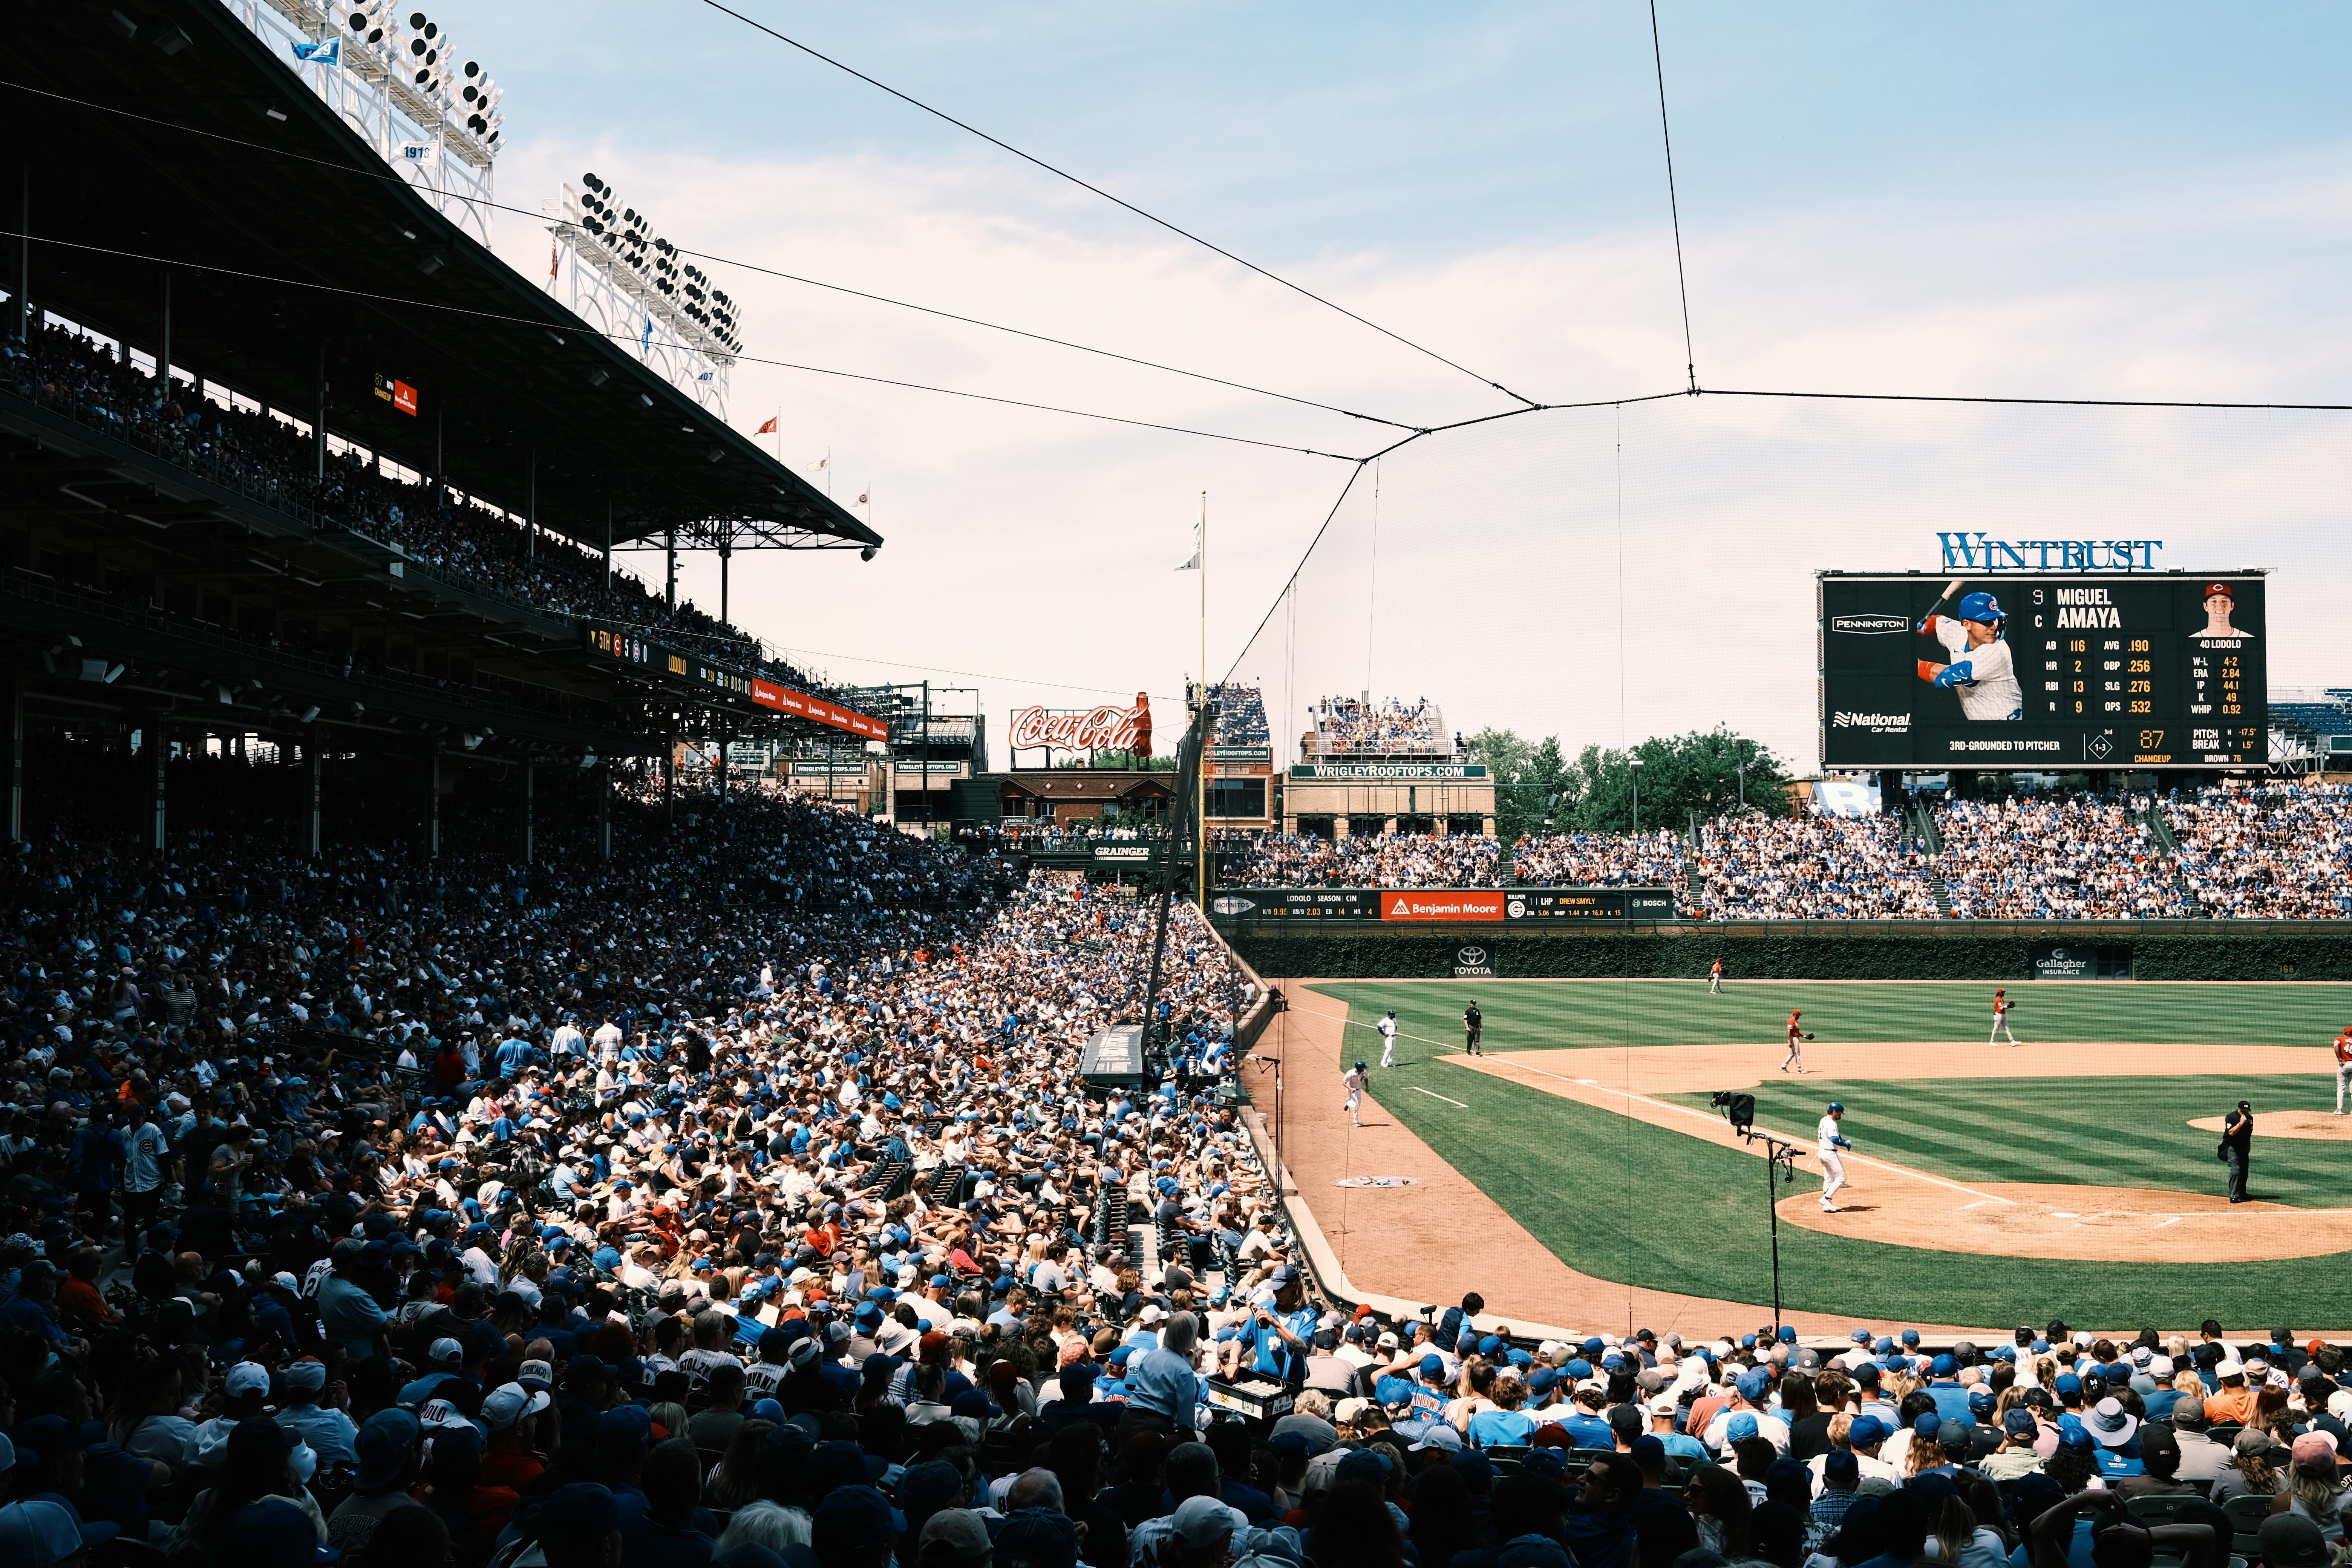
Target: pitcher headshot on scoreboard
(2219, 604)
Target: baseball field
(1576, 1173)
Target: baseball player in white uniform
(1979, 669)
(2343, 1066)
(1386, 1027)
(1829, 1140)
(2001, 1007)
(1353, 1079)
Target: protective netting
(2167, 943)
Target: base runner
(1829, 1140)
(1795, 1060)
(1353, 1079)
(2001, 1007)
(2343, 1066)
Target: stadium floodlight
(308, 714)
(469, 742)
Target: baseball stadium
(1667, 929)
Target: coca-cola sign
(1104, 729)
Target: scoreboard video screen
(2040, 670)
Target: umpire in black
(2237, 1147)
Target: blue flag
(646, 342)
(326, 52)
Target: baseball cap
(510, 1402)
(576, 1521)
(2020, 1423)
(38, 1534)
(1202, 1522)
(273, 1532)
(1438, 1435)
(2290, 1541)
(1867, 1431)
(962, 1532)
(853, 1519)
(246, 1377)
(1740, 1428)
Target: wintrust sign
(1975, 552)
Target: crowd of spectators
(1371, 860)
(1809, 867)
(680, 1201)
(1388, 727)
(1598, 860)
(1241, 714)
(2057, 858)
(252, 450)
(2275, 850)
(2266, 851)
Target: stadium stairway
(2153, 814)
(1922, 823)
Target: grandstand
(1241, 714)
(1357, 729)
(356, 491)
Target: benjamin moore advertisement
(1427, 905)
(2043, 670)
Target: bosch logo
(1869, 626)
(1471, 957)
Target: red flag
(861, 501)
(767, 429)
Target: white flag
(1194, 563)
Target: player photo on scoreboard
(1974, 662)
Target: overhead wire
(586, 330)
(1674, 205)
(1116, 201)
(394, 177)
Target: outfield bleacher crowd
(2271, 851)
(250, 450)
(1373, 860)
(2267, 851)
(1811, 867)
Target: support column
(670, 589)
(669, 781)
(25, 262)
(531, 505)
(318, 424)
(318, 782)
(726, 553)
(159, 754)
(16, 759)
(440, 470)
(164, 349)
(608, 543)
(604, 811)
(529, 788)
(433, 805)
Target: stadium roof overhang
(307, 252)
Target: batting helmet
(1837, 1107)
(1981, 607)
(1360, 1066)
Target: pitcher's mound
(2323, 1125)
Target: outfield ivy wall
(1974, 950)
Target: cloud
(1035, 546)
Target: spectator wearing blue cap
(1944, 1388)
(1749, 1392)
(2017, 1455)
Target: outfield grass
(2090, 1131)
(1523, 1015)
(1620, 1199)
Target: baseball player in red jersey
(2343, 1066)
(1795, 1060)
(2001, 1007)
(1714, 977)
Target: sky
(2146, 201)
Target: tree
(1700, 772)
(1530, 779)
